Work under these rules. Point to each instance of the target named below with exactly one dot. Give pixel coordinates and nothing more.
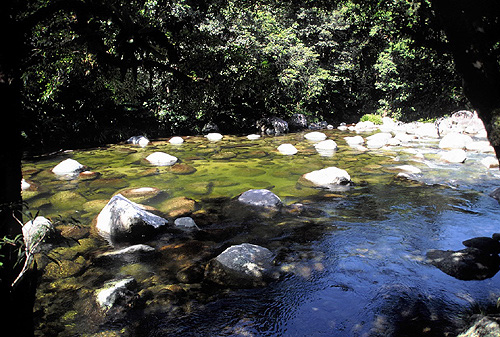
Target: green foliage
(110, 70)
(375, 119)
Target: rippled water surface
(353, 266)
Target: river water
(353, 266)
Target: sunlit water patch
(353, 264)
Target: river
(353, 266)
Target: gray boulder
(260, 198)
(116, 292)
(272, 126)
(241, 266)
(122, 220)
(297, 122)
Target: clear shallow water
(355, 269)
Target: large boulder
(272, 126)
(260, 198)
(122, 220)
(297, 122)
(330, 178)
(241, 266)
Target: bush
(375, 119)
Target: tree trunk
(471, 28)
(17, 302)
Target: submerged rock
(260, 198)
(186, 223)
(241, 266)
(124, 221)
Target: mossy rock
(224, 155)
(139, 194)
(67, 200)
(94, 206)
(182, 169)
(177, 207)
(65, 268)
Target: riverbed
(353, 263)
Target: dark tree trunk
(471, 28)
(17, 302)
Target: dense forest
(101, 71)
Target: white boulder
(315, 136)
(353, 141)
(176, 140)
(68, 166)
(287, 149)
(35, 232)
(326, 148)
(329, 177)
(214, 136)
(253, 137)
(122, 220)
(378, 140)
(454, 156)
(490, 162)
(161, 159)
(455, 141)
